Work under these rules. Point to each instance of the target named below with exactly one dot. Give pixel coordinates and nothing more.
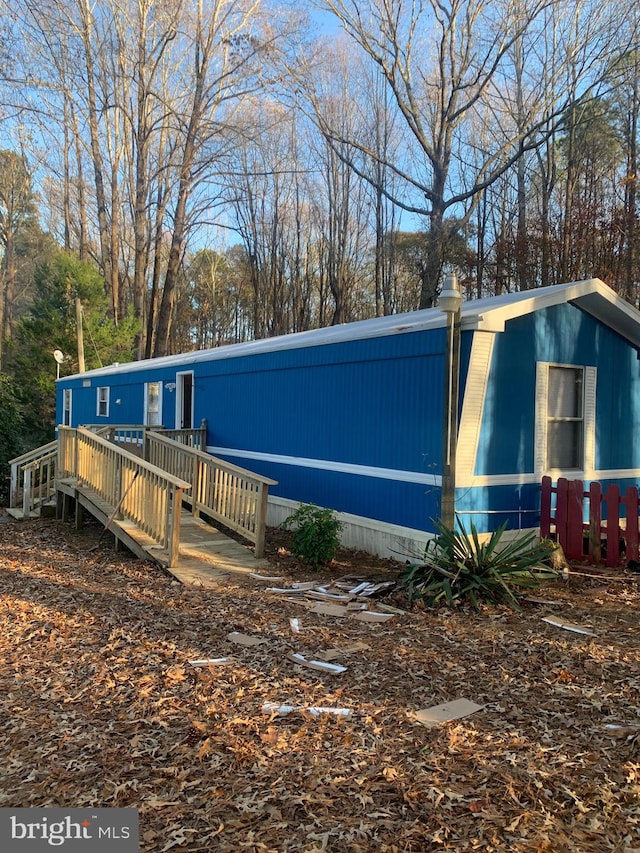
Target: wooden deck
(206, 555)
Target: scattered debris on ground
(433, 730)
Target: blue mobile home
(350, 417)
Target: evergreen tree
(50, 325)
(11, 432)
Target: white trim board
(473, 406)
(435, 480)
(397, 475)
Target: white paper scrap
(257, 577)
(339, 712)
(208, 661)
(245, 639)
(295, 625)
(317, 664)
(568, 626)
(284, 590)
(283, 710)
(372, 616)
(446, 712)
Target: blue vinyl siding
(372, 413)
(406, 504)
(566, 335)
(363, 402)
(617, 404)
(490, 506)
(377, 403)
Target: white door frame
(182, 399)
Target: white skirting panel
(364, 534)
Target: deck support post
(79, 515)
(261, 520)
(26, 491)
(174, 527)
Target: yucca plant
(458, 567)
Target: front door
(184, 400)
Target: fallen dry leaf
(99, 705)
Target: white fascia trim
(526, 302)
(327, 465)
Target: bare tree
(226, 60)
(17, 212)
(444, 63)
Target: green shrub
(11, 432)
(316, 534)
(457, 567)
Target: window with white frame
(66, 407)
(153, 403)
(565, 418)
(102, 408)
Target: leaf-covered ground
(99, 706)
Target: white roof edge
(488, 314)
(412, 321)
(514, 305)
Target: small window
(153, 404)
(102, 410)
(66, 407)
(565, 418)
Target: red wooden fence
(608, 539)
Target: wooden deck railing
(141, 492)
(196, 438)
(231, 495)
(33, 477)
(131, 436)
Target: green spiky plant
(458, 567)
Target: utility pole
(80, 335)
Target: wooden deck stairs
(156, 492)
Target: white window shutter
(540, 434)
(590, 381)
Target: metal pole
(450, 418)
(80, 336)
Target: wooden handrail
(196, 438)
(39, 481)
(229, 494)
(32, 454)
(33, 474)
(145, 494)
